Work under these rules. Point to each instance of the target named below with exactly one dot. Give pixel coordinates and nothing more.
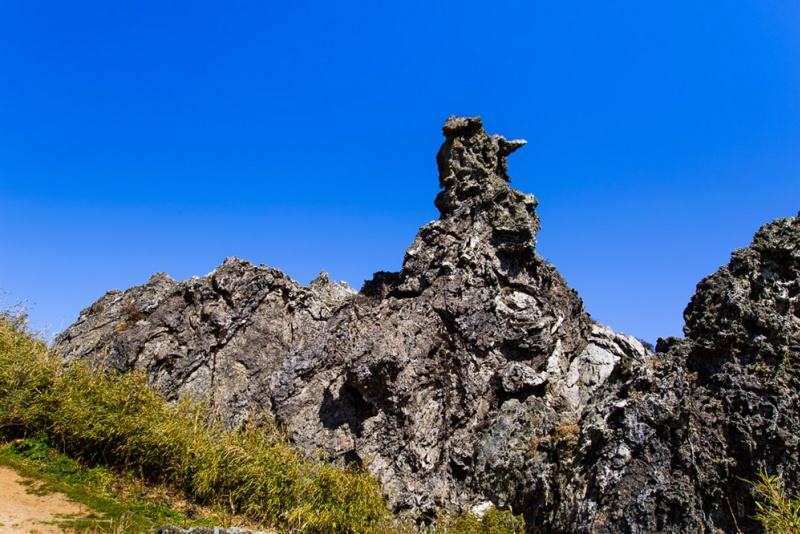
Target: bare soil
(24, 512)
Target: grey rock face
(741, 358)
(218, 337)
(407, 375)
(475, 373)
(666, 443)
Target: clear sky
(138, 137)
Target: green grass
(494, 521)
(117, 421)
(110, 441)
(777, 511)
(111, 499)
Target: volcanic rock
(219, 337)
(667, 443)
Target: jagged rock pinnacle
(468, 142)
(485, 225)
(472, 164)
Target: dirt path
(23, 512)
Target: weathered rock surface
(666, 443)
(475, 373)
(221, 336)
(421, 363)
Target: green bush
(494, 521)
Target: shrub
(493, 521)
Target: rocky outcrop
(667, 443)
(415, 369)
(739, 365)
(474, 373)
(219, 337)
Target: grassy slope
(116, 502)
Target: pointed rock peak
(470, 128)
(472, 164)
(469, 148)
(465, 126)
(321, 279)
(485, 227)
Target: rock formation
(667, 444)
(221, 336)
(474, 373)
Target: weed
(777, 511)
(493, 521)
(131, 314)
(569, 432)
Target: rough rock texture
(475, 374)
(665, 443)
(740, 359)
(410, 373)
(220, 336)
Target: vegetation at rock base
(110, 441)
(101, 430)
(116, 420)
(777, 511)
(114, 501)
(494, 521)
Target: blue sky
(138, 137)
